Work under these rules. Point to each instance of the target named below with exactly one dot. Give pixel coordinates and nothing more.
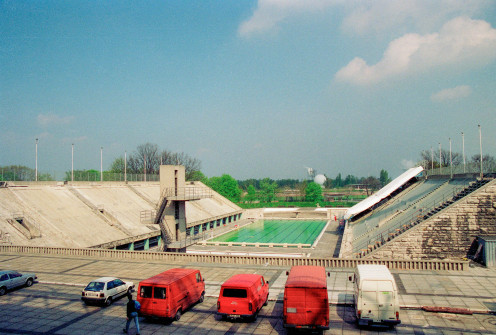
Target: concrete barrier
(286, 261)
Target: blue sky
(251, 88)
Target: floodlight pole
(440, 162)
(125, 166)
(432, 159)
(145, 166)
(101, 163)
(72, 164)
(451, 161)
(36, 162)
(463, 150)
(480, 144)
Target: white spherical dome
(320, 179)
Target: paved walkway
(53, 304)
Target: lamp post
(101, 163)
(440, 162)
(451, 161)
(432, 159)
(463, 151)
(480, 144)
(72, 164)
(36, 162)
(125, 166)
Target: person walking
(132, 309)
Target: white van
(376, 296)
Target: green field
(275, 231)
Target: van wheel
(178, 315)
(266, 300)
(202, 297)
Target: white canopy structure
(383, 192)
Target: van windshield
(234, 293)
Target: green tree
(118, 165)
(251, 193)
(338, 181)
(17, 172)
(313, 192)
(350, 179)
(226, 186)
(197, 176)
(268, 189)
(384, 177)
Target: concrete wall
(449, 234)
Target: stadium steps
(405, 227)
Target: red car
(243, 296)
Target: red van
(243, 296)
(306, 304)
(170, 293)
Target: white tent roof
(383, 192)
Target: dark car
(10, 279)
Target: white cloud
(378, 16)
(362, 16)
(454, 93)
(270, 12)
(461, 42)
(407, 163)
(50, 119)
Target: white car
(105, 290)
(10, 279)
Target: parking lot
(53, 304)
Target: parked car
(105, 290)
(242, 296)
(10, 279)
(170, 293)
(306, 303)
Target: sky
(253, 89)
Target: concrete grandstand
(421, 217)
(101, 214)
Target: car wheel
(3, 290)
(178, 315)
(29, 282)
(108, 302)
(202, 297)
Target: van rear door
(385, 299)
(159, 301)
(378, 298)
(370, 306)
(316, 306)
(295, 306)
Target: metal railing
(186, 193)
(14, 175)
(283, 261)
